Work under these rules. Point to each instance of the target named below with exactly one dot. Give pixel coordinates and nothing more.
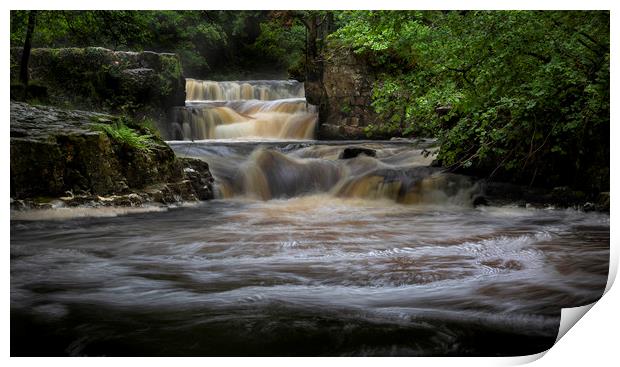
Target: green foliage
(281, 45)
(120, 133)
(145, 126)
(207, 41)
(115, 29)
(191, 34)
(525, 93)
(345, 109)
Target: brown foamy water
(307, 254)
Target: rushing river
(311, 248)
(316, 271)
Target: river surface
(305, 254)
(311, 248)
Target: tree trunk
(23, 68)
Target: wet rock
(340, 132)
(80, 200)
(17, 204)
(60, 154)
(436, 163)
(342, 90)
(132, 199)
(61, 150)
(589, 207)
(502, 193)
(352, 152)
(292, 147)
(182, 191)
(138, 82)
(198, 174)
(33, 91)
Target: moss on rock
(94, 78)
(55, 151)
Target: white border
(591, 342)
(317, 4)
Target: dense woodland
(212, 44)
(528, 92)
(515, 95)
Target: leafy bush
(524, 94)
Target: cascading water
(310, 248)
(306, 252)
(397, 172)
(264, 90)
(259, 109)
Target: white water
(259, 109)
(307, 267)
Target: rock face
(199, 176)
(343, 94)
(65, 153)
(94, 78)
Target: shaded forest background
(213, 44)
(516, 95)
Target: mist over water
(306, 253)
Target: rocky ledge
(74, 158)
(97, 79)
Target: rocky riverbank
(503, 193)
(97, 79)
(76, 158)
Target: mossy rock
(54, 151)
(94, 78)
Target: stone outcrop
(94, 78)
(353, 152)
(343, 94)
(66, 154)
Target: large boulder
(200, 177)
(57, 152)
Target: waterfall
(254, 109)
(264, 90)
(279, 170)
